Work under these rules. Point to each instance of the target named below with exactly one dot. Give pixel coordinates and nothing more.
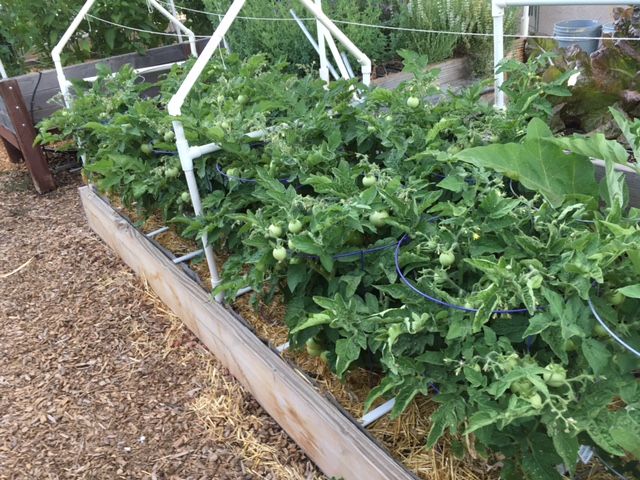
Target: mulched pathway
(96, 379)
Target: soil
(97, 379)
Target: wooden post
(13, 152)
(333, 441)
(25, 133)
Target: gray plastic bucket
(566, 31)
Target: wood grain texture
(334, 442)
(47, 82)
(25, 134)
(452, 72)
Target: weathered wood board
(333, 441)
(454, 72)
(47, 81)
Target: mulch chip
(97, 379)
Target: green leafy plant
(349, 207)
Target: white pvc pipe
(194, 193)
(153, 68)
(498, 52)
(3, 72)
(363, 60)
(196, 152)
(336, 55)
(322, 48)
(377, 413)
(57, 50)
(174, 12)
(313, 42)
(524, 22)
(347, 64)
(188, 256)
(174, 20)
(176, 102)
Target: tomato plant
(399, 239)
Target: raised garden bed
(327, 434)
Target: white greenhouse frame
(497, 11)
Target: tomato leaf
(596, 354)
(631, 291)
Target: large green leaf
(538, 164)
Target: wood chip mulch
(97, 380)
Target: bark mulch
(97, 380)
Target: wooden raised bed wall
(26, 99)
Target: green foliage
(520, 225)
(465, 16)
(36, 27)
(284, 38)
(607, 78)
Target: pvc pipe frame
(188, 153)
(497, 11)
(57, 50)
(3, 72)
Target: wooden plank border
(331, 439)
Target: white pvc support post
(184, 151)
(178, 24)
(363, 60)
(313, 42)
(3, 72)
(524, 22)
(347, 64)
(57, 50)
(336, 55)
(174, 12)
(497, 13)
(322, 48)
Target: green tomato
(510, 363)
(295, 226)
(169, 136)
(413, 102)
(570, 346)
(555, 375)
(171, 172)
(185, 197)
(324, 356)
(536, 401)
(225, 125)
(243, 99)
(389, 118)
(600, 331)
(616, 298)
(275, 231)
(146, 148)
(232, 172)
(522, 387)
(279, 253)
(369, 180)
(313, 347)
(447, 259)
(379, 218)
